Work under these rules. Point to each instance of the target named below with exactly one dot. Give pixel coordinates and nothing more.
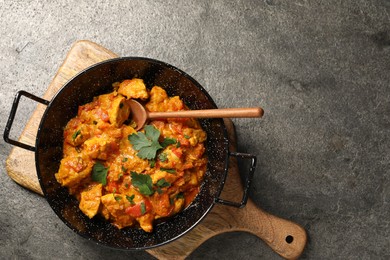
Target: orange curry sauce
(108, 176)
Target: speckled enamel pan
(97, 80)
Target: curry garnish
(99, 173)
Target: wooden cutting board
(284, 237)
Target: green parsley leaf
(123, 169)
(75, 134)
(149, 152)
(152, 133)
(99, 173)
(125, 159)
(131, 199)
(162, 183)
(187, 136)
(143, 208)
(152, 163)
(168, 141)
(168, 170)
(146, 143)
(139, 141)
(117, 198)
(163, 157)
(180, 196)
(143, 182)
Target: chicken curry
(132, 178)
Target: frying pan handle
(12, 117)
(247, 182)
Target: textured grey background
(319, 68)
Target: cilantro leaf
(143, 182)
(99, 173)
(149, 152)
(168, 170)
(143, 208)
(139, 140)
(75, 134)
(152, 133)
(180, 196)
(167, 141)
(131, 199)
(146, 143)
(163, 157)
(152, 163)
(162, 183)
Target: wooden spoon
(140, 116)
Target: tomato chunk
(139, 209)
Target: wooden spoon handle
(211, 113)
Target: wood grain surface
(284, 237)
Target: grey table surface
(320, 70)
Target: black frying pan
(97, 80)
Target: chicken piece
(73, 170)
(162, 204)
(90, 200)
(195, 135)
(158, 98)
(133, 88)
(171, 157)
(119, 111)
(146, 222)
(178, 205)
(158, 175)
(100, 147)
(116, 204)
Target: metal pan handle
(12, 117)
(247, 183)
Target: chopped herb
(159, 190)
(168, 170)
(162, 183)
(120, 175)
(146, 143)
(99, 173)
(187, 136)
(131, 199)
(143, 208)
(125, 159)
(75, 134)
(167, 141)
(117, 198)
(163, 157)
(180, 196)
(126, 185)
(123, 169)
(143, 182)
(152, 163)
